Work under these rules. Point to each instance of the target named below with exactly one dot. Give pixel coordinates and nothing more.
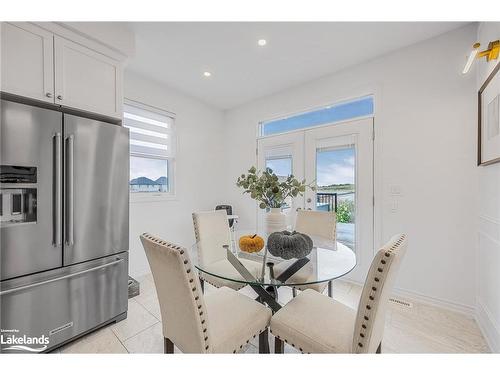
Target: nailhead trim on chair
(284, 340)
(196, 297)
(188, 270)
(374, 290)
(215, 285)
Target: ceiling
(177, 54)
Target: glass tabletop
(327, 261)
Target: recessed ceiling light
(262, 42)
(207, 74)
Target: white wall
(426, 143)
(198, 171)
(488, 281)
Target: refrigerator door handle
(57, 198)
(8, 291)
(69, 191)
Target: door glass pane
(335, 178)
(148, 175)
(282, 167)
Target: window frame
(260, 125)
(171, 161)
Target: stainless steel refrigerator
(64, 203)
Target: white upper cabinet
(38, 64)
(27, 61)
(86, 79)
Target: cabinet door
(86, 79)
(27, 61)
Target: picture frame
(488, 151)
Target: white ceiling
(177, 54)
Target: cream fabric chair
(318, 224)
(314, 323)
(222, 322)
(212, 232)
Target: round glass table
(264, 272)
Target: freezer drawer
(39, 312)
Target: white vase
(275, 221)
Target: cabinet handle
(59, 97)
(48, 95)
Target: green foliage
(266, 188)
(345, 211)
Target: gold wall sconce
(491, 54)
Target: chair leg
(294, 292)
(168, 346)
(279, 346)
(264, 342)
(379, 349)
(202, 284)
(330, 289)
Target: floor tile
(148, 341)
(138, 319)
(150, 302)
(420, 329)
(101, 341)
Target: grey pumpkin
(288, 245)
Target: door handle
(56, 189)
(8, 291)
(69, 191)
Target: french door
(338, 158)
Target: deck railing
(329, 201)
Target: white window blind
(151, 132)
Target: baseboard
(488, 327)
(438, 302)
(420, 298)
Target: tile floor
(420, 329)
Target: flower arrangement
(267, 189)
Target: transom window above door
(356, 108)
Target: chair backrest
(229, 210)
(212, 232)
(182, 306)
(370, 320)
(316, 223)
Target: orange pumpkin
(251, 243)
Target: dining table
(266, 273)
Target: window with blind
(152, 149)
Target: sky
(150, 168)
(334, 166)
(339, 112)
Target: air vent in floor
(401, 302)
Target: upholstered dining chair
(221, 322)
(320, 224)
(212, 232)
(315, 323)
